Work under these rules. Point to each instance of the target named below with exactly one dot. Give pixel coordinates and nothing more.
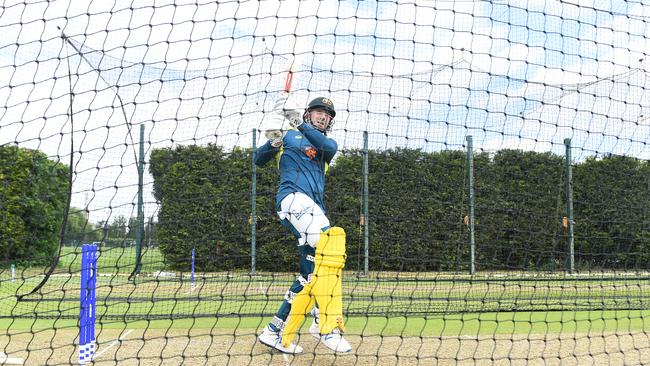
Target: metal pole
(140, 220)
(569, 204)
(470, 205)
(364, 218)
(253, 219)
(192, 274)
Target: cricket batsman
(303, 154)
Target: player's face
(320, 119)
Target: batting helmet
(324, 103)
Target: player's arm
(265, 153)
(275, 141)
(325, 145)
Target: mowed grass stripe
(470, 324)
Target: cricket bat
(274, 121)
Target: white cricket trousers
(307, 219)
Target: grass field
(406, 318)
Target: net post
(470, 204)
(140, 219)
(87, 300)
(569, 204)
(366, 233)
(253, 218)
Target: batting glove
(294, 116)
(275, 136)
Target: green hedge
(205, 200)
(417, 202)
(612, 213)
(33, 196)
(519, 210)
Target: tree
(79, 230)
(131, 228)
(33, 197)
(119, 228)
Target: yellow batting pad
(301, 305)
(325, 287)
(327, 280)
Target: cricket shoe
(333, 340)
(274, 340)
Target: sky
(417, 74)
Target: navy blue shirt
(303, 160)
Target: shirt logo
(300, 212)
(310, 152)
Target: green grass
(111, 259)
(471, 324)
(415, 304)
(151, 297)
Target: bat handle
(288, 81)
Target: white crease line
(112, 344)
(5, 360)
